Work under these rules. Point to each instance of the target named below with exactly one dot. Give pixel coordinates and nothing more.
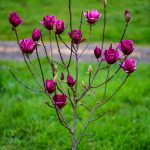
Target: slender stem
(89, 34)
(126, 26)
(48, 59)
(21, 83)
(50, 38)
(100, 116)
(40, 66)
(105, 88)
(85, 107)
(28, 57)
(59, 50)
(114, 92)
(86, 126)
(47, 103)
(65, 43)
(104, 25)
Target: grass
(26, 123)
(33, 11)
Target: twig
(59, 50)
(90, 29)
(104, 26)
(21, 83)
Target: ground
(27, 122)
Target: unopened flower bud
(90, 69)
(127, 16)
(36, 34)
(60, 100)
(14, 19)
(105, 2)
(126, 46)
(59, 26)
(50, 86)
(83, 85)
(55, 68)
(70, 81)
(80, 103)
(62, 76)
(55, 78)
(97, 52)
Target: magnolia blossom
(70, 81)
(111, 55)
(36, 34)
(92, 16)
(60, 100)
(50, 86)
(97, 52)
(126, 46)
(76, 36)
(129, 65)
(27, 45)
(59, 26)
(48, 22)
(14, 19)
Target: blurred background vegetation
(34, 11)
(26, 123)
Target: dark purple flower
(36, 34)
(60, 100)
(129, 65)
(127, 16)
(62, 76)
(59, 26)
(76, 35)
(50, 86)
(92, 16)
(48, 22)
(14, 19)
(27, 45)
(70, 81)
(97, 52)
(111, 55)
(126, 46)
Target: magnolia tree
(55, 86)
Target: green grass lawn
(33, 11)
(26, 123)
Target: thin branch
(28, 57)
(21, 83)
(85, 106)
(104, 25)
(65, 44)
(59, 50)
(90, 29)
(50, 38)
(105, 88)
(40, 66)
(47, 103)
(114, 92)
(100, 116)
